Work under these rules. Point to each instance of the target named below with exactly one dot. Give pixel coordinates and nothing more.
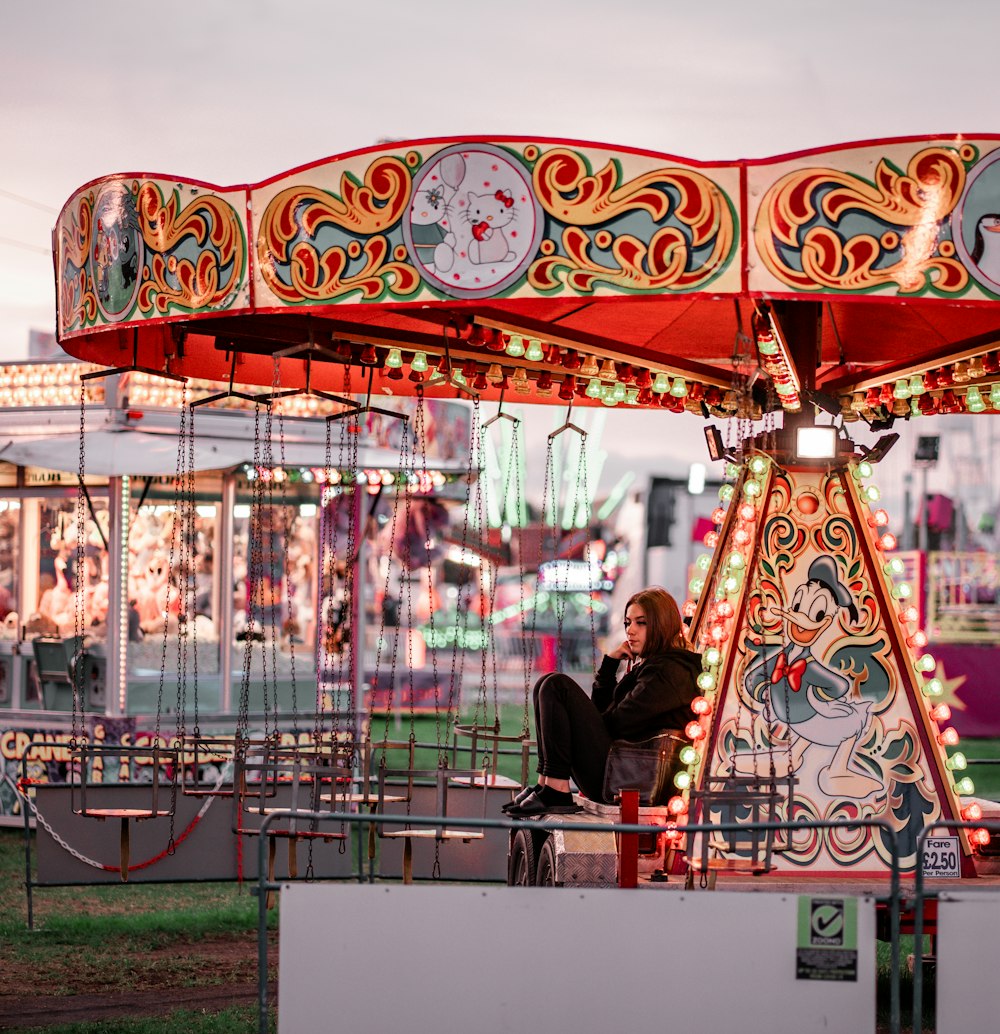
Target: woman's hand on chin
(622, 652)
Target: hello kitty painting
(473, 224)
(488, 214)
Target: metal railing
(265, 886)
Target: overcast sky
(232, 92)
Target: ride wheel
(545, 874)
(521, 860)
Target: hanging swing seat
(488, 739)
(738, 799)
(442, 777)
(301, 779)
(100, 773)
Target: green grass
(227, 1021)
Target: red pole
(628, 843)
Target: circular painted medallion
(977, 221)
(474, 224)
(116, 252)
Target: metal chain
(462, 624)
(404, 462)
(583, 484)
(78, 611)
(289, 516)
(268, 596)
(421, 437)
(192, 513)
(527, 647)
(252, 581)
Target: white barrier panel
(967, 946)
(450, 959)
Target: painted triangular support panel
(811, 667)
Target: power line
(27, 247)
(29, 201)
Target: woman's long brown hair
(664, 628)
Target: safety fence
(893, 900)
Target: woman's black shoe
(535, 805)
(520, 797)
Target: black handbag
(643, 765)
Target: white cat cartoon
(487, 214)
(430, 215)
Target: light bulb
(948, 737)
(706, 681)
(661, 384)
(593, 388)
(917, 386)
(932, 687)
(682, 780)
(712, 656)
(701, 705)
(394, 360)
(694, 731)
(925, 663)
(679, 388)
(534, 352)
(688, 755)
(958, 762)
(419, 362)
(965, 787)
(515, 346)
(974, 400)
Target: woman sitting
(575, 732)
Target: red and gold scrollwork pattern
(573, 196)
(901, 248)
(77, 301)
(297, 270)
(174, 282)
(194, 257)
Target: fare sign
(941, 858)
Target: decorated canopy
(862, 276)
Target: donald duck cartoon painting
(819, 705)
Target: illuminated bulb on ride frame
(958, 762)
(712, 656)
(696, 585)
(688, 755)
(747, 511)
(711, 539)
(726, 493)
(965, 787)
(731, 583)
(872, 494)
(940, 713)
(703, 561)
(894, 566)
(925, 663)
(902, 591)
(909, 614)
(706, 681)
(394, 360)
(888, 541)
(980, 837)
(701, 706)
(593, 388)
(932, 688)
(881, 517)
(534, 352)
(972, 813)
(995, 396)
(679, 388)
(751, 488)
(682, 780)
(661, 385)
(515, 346)
(689, 609)
(741, 536)
(694, 731)
(918, 640)
(419, 363)
(718, 515)
(677, 806)
(725, 610)
(948, 737)
(974, 400)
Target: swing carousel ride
(791, 299)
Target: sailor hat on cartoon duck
(807, 695)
